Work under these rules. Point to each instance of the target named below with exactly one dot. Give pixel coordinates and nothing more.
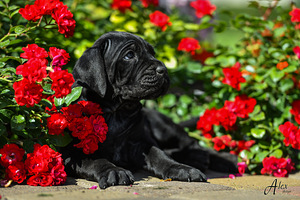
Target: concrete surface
(148, 187)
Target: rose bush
(36, 97)
(245, 96)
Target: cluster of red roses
(43, 167)
(226, 116)
(123, 5)
(85, 121)
(58, 11)
(35, 73)
(289, 130)
(279, 167)
(234, 146)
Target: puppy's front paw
(182, 172)
(115, 176)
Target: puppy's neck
(110, 104)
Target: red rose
(291, 134)
(89, 144)
(146, 3)
(242, 145)
(226, 118)
(59, 12)
(241, 106)
(51, 156)
(160, 19)
(203, 7)
(11, 154)
(30, 12)
(58, 174)
(16, 172)
(221, 142)
(90, 108)
(46, 166)
(296, 110)
(46, 7)
(188, 45)
(206, 122)
(242, 166)
(72, 111)
(64, 19)
(27, 93)
(56, 124)
(42, 179)
(34, 51)
(100, 127)
(297, 51)
(295, 13)
(59, 56)
(233, 77)
(62, 82)
(279, 167)
(202, 56)
(36, 164)
(33, 70)
(81, 127)
(121, 5)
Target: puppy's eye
(129, 55)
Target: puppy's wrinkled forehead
(114, 43)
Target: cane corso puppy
(118, 71)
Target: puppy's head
(124, 63)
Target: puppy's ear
(89, 70)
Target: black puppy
(117, 72)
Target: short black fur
(118, 71)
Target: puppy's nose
(160, 70)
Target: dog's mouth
(150, 81)
(149, 87)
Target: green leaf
(5, 115)
(4, 44)
(4, 59)
(258, 133)
(185, 99)
(194, 67)
(277, 153)
(16, 41)
(73, 96)
(19, 29)
(4, 103)
(290, 69)
(169, 100)
(58, 102)
(28, 145)
(18, 122)
(47, 89)
(60, 140)
(46, 103)
(286, 84)
(260, 156)
(2, 129)
(276, 75)
(258, 117)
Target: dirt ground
(148, 187)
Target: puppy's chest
(123, 121)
